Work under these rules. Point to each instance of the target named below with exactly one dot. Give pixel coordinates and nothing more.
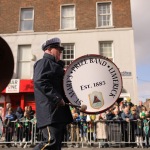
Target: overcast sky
(141, 25)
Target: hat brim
(57, 46)
(61, 48)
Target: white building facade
(110, 35)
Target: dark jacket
(32, 112)
(125, 116)
(48, 91)
(19, 113)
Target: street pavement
(3, 147)
(14, 148)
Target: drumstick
(82, 107)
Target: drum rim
(105, 58)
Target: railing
(95, 134)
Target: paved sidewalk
(3, 147)
(70, 148)
(14, 148)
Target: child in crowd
(27, 125)
(91, 128)
(19, 126)
(101, 131)
(83, 127)
(9, 126)
(137, 127)
(146, 120)
(75, 128)
(31, 111)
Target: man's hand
(61, 103)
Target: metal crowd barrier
(108, 133)
(18, 133)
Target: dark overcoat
(48, 92)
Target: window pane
(68, 53)
(26, 14)
(67, 17)
(26, 19)
(67, 63)
(104, 14)
(67, 23)
(24, 61)
(106, 49)
(68, 11)
(72, 56)
(108, 8)
(24, 53)
(27, 25)
(24, 70)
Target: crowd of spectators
(123, 122)
(18, 122)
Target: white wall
(86, 42)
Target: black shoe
(8, 145)
(106, 145)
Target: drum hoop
(102, 57)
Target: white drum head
(94, 81)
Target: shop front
(18, 93)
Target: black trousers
(52, 137)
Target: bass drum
(94, 81)
(6, 64)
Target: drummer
(51, 112)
